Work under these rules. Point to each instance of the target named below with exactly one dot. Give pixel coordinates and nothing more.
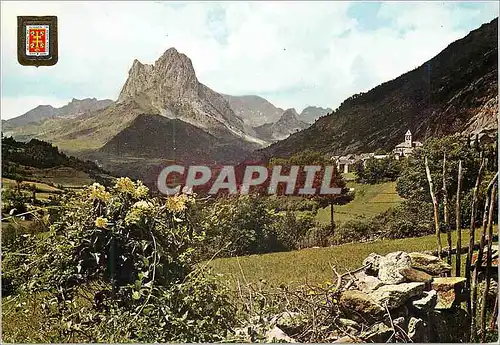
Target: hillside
(38, 160)
(456, 91)
(153, 136)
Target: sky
(294, 54)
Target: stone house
(406, 148)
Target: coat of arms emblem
(37, 40)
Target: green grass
(313, 265)
(369, 201)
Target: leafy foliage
(378, 170)
(119, 266)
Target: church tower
(408, 140)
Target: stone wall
(404, 297)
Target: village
(347, 163)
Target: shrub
(354, 230)
(119, 266)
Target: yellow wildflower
(101, 222)
(98, 191)
(176, 203)
(141, 191)
(125, 185)
(138, 211)
(143, 205)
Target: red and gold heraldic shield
(37, 40)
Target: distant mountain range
(257, 111)
(74, 108)
(454, 92)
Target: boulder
(414, 275)
(277, 335)
(429, 263)
(427, 302)
(378, 333)
(366, 283)
(360, 305)
(372, 261)
(450, 291)
(290, 322)
(418, 330)
(397, 294)
(390, 266)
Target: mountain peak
(289, 114)
(172, 73)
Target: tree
(309, 157)
(378, 170)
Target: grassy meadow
(313, 265)
(369, 201)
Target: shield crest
(37, 41)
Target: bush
(119, 266)
(355, 230)
(411, 218)
(290, 228)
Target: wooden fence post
(445, 210)
(458, 221)
(472, 229)
(488, 262)
(435, 205)
(479, 258)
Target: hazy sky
(292, 53)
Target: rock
(359, 305)
(290, 322)
(426, 303)
(396, 295)
(378, 333)
(390, 265)
(449, 291)
(367, 283)
(449, 326)
(373, 262)
(349, 323)
(277, 335)
(418, 330)
(414, 275)
(429, 263)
